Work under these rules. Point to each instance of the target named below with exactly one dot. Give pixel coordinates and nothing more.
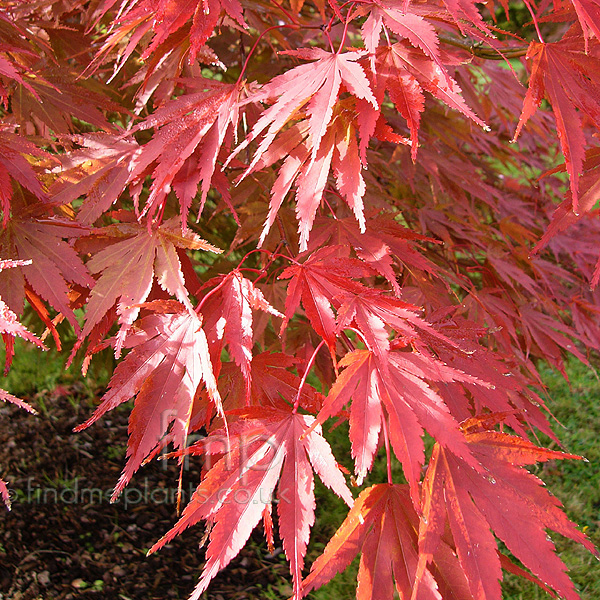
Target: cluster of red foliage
(390, 230)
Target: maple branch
(242, 60)
(337, 17)
(387, 37)
(329, 205)
(251, 270)
(180, 485)
(333, 21)
(275, 254)
(252, 252)
(477, 50)
(281, 230)
(262, 272)
(303, 380)
(326, 33)
(159, 217)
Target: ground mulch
(63, 540)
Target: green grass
(32, 370)
(575, 483)
(34, 373)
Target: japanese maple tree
(283, 215)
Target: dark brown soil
(63, 539)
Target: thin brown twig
(485, 52)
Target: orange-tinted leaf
(127, 269)
(382, 525)
(475, 502)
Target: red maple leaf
(10, 326)
(400, 398)
(99, 170)
(163, 18)
(565, 216)
(55, 265)
(374, 313)
(368, 246)
(322, 279)
(168, 362)
(406, 72)
(382, 525)
(475, 501)
(188, 134)
(568, 76)
(227, 311)
(338, 151)
(49, 104)
(312, 88)
(588, 13)
(127, 269)
(14, 164)
(405, 23)
(383, 245)
(15, 41)
(271, 382)
(267, 449)
(9, 329)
